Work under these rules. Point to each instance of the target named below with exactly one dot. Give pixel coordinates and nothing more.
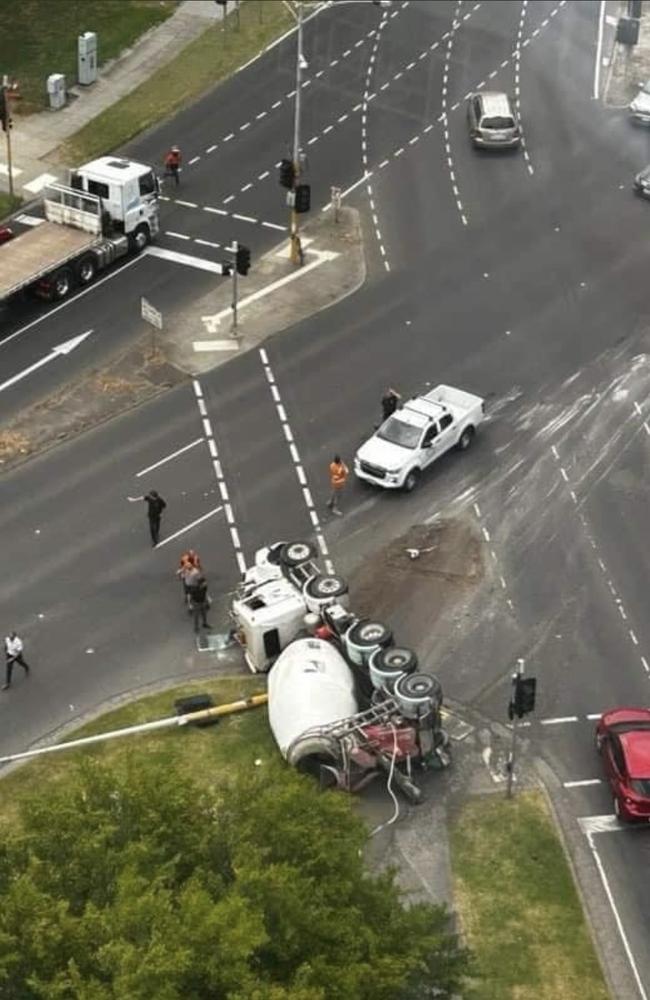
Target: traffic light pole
(295, 252)
(510, 765)
(235, 248)
(6, 92)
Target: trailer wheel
(86, 269)
(140, 238)
(61, 283)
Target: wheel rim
(140, 239)
(62, 286)
(86, 272)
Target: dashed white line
(561, 720)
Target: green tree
(133, 884)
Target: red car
(623, 740)
(6, 234)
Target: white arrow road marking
(168, 458)
(61, 349)
(212, 322)
(184, 258)
(193, 524)
(590, 826)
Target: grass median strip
(518, 907)
(211, 58)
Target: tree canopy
(132, 883)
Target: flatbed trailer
(35, 254)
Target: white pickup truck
(418, 433)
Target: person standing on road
(200, 602)
(338, 477)
(13, 654)
(155, 507)
(190, 570)
(389, 403)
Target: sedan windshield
(398, 432)
(497, 122)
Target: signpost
(154, 318)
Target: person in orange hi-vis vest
(339, 473)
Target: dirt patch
(124, 382)
(413, 592)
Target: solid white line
(599, 49)
(183, 258)
(582, 784)
(619, 922)
(181, 531)
(168, 458)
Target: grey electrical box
(56, 90)
(87, 48)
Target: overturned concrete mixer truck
(345, 702)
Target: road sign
(150, 314)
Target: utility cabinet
(87, 51)
(56, 90)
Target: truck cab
(129, 194)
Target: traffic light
(287, 173)
(303, 198)
(5, 116)
(243, 260)
(523, 696)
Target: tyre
(598, 741)
(86, 269)
(140, 238)
(618, 812)
(326, 587)
(466, 438)
(296, 553)
(411, 481)
(370, 633)
(397, 658)
(61, 283)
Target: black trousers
(200, 611)
(154, 528)
(18, 658)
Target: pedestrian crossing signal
(303, 198)
(287, 173)
(243, 260)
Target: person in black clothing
(155, 507)
(199, 603)
(389, 403)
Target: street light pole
(295, 238)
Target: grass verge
(39, 37)
(212, 57)
(7, 205)
(518, 906)
(204, 754)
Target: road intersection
(522, 278)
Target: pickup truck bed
(37, 252)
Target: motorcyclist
(173, 163)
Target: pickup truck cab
(418, 433)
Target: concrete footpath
(36, 138)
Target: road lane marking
(297, 463)
(221, 482)
(591, 825)
(599, 48)
(200, 263)
(560, 720)
(582, 784)
(169, 458)
(188, 527)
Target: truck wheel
(466, 438)
(411, 481)
(296, 553)
(86, 270)
(140, 238)
(61, 283)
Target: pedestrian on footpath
(155, 507)
(200, 602)
(13, 654)
(338, 477)
(389, 403)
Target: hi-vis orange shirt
(338, 475)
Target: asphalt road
(521, 277)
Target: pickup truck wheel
(412, 480)
(61, 283)
(466, 438)
(140, 238)
(86, 270)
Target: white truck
(418, 433)
(109, 209)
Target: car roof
(495, 102)
(636, 747)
